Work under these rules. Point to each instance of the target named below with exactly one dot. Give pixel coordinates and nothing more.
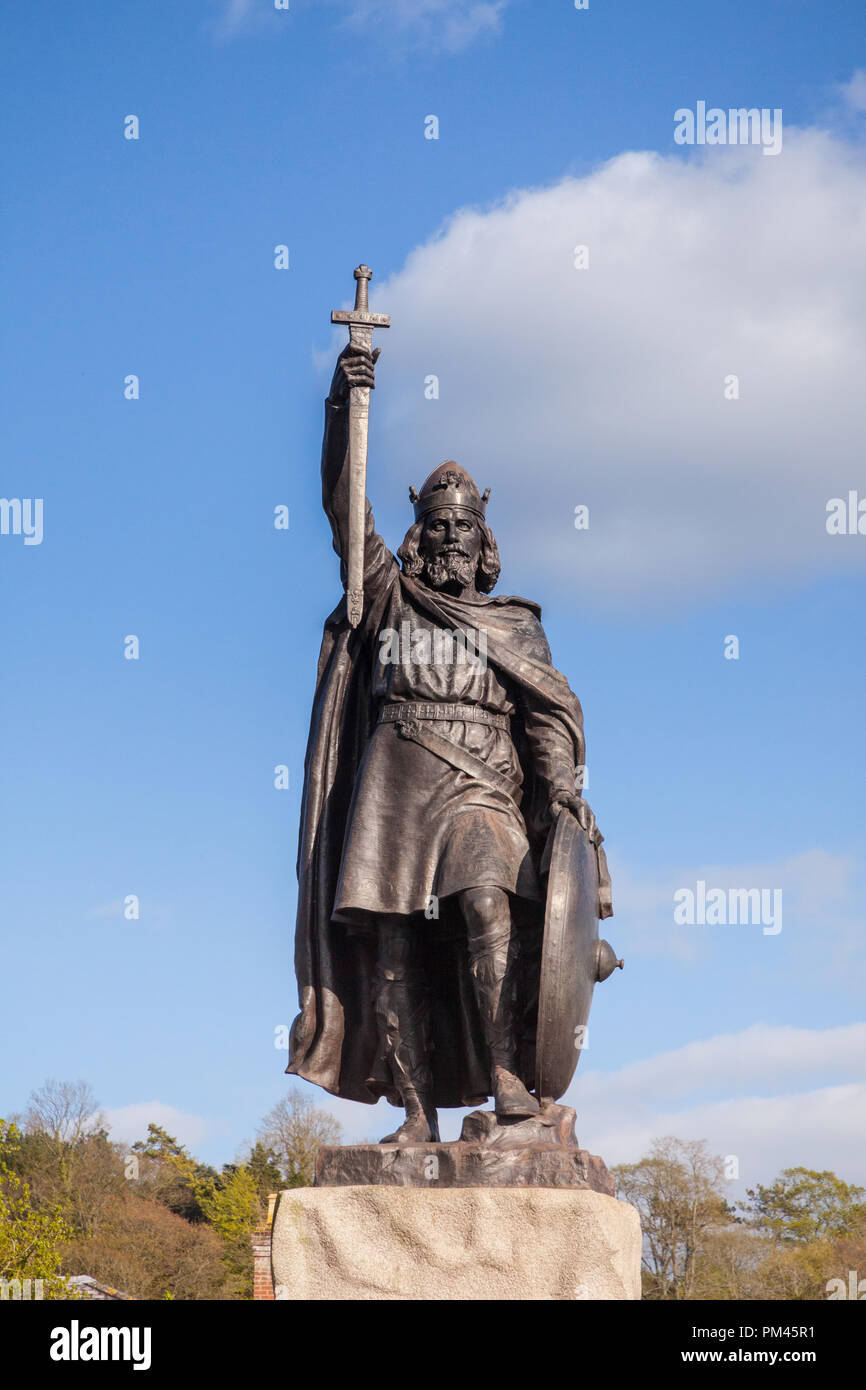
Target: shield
(569, 956)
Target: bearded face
(450, 545)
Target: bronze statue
(443, 749)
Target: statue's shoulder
(521, 606)
(519, 620)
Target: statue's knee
(485, 907)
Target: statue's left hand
(581, 811)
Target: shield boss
(569, 957)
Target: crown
(449, 486)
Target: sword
(360, 323)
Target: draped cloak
(334, 1039)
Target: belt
(470, 714)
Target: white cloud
(853, 92)
(113, 909)
(605, 386)
(127, 1123)
(820, 1129)
(446, 26)
(761, 1054)
(238, 15)
(764, 1119)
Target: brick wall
(263, 1279)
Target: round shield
(569, 956)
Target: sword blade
(359, 417)
(360, 323)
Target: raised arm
(355, 367)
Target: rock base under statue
(541, 1152)
(481, 1243)
(508, 1211)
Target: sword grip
(363, 276)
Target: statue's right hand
(355, 367)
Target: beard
(440, 569)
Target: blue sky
(558, 387)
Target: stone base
(539, 1152)
(481, 1243)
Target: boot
(403, 1014)
(493, 964)
(421, 1125)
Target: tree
(166, 1226)
(66, 1155)
(64, 1111)
(805, 1205)
(170, 1175)
(30, 1240)
(796, 1271)
(148, 1252)
(679, 1191)
(730, 1264)
(159, 1144)
(294, 1131)
(232, 1208)
(263, 1170)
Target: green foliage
(805, 1205)
(159, 1144)
(232, 1207)
(263, 1169)
(231, 1203)
(170, 1175)
(803, 1229)
(30, 1240)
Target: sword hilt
(360, 316)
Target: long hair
(488, 569)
